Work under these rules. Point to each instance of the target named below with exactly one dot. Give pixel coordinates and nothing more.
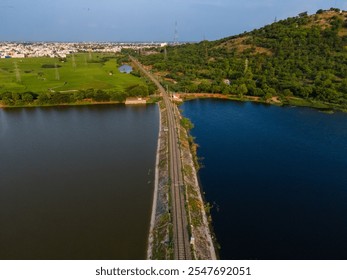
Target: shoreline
(182, 97)
(159, 246)
(202, 235)
(155, 193)
(60, 105)
(291, 101)
(2, 106)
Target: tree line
(55, 98)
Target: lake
(276, 177)
(76, 182)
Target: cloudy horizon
(144, 20)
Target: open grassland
(77, 72)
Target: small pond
(125, 69)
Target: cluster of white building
(21, 50)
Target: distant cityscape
(61, 50)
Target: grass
(314, 104)
(161, 247)
(195, 206)
(80, 71)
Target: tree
(287, 92)
(43, 98)
(79, 95)
(137, 90)
(60, 98)
(242, 90)
(204, 87)
(101, 95)
(336, 23)
(27, 97)
(269, 92)
(7, 98)
(89, 93)
(15, 97)
(117, 96)
(259, 92)
(251, 87)
(305, 92)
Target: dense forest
(304, 57)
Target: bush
(80, 95)
(43, 98)
(138, 90)
(60, 98)
(6, 98)
(101, 95)
(117, 96)
(259, 92)
(287, 92)
(27, 97)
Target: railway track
(178, 211)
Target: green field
(79, 72)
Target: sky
(144, 20)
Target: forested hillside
(301, 57)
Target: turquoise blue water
(277, 179)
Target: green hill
(298, 60)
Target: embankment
(160, 244)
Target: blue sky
(143, 20)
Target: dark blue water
(277, 178)
(76, 182)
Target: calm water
(125, 68)
(77, 182)
(277, 178)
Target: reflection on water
(276, 176)
(75, 182)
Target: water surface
(277, 178)
(76, 182)
(125, 68)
